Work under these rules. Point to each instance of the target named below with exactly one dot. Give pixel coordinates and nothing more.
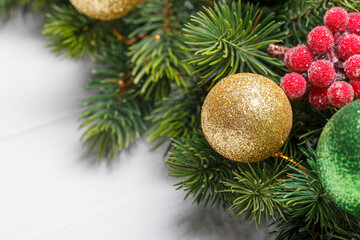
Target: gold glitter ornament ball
(104, 9)
(246, 117)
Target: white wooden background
(51, 190)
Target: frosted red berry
(336, 19)
(356, 87)
(321, 73)
(340, 93)
(352, 67)
(294, 85)
(287, 58)
(353, 25)
(348, 46)
(318, 98)
(320, 40)
(299, 58)
(318, 71)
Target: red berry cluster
(319, 69)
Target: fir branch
(40, 4)
(177, 117)
(7, 6)
(225, 40)
(309, 207)
(253, 188)
(300, 17)
(309, 123)
(307, 198)
(348, 5)
(204, 170)
(73, 35)
(292, 229)
(158, 58)
(114, 117)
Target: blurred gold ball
(104, 9)
(246, 117)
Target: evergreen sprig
(300, 17)
(348, 5)
(177, 117)
(158, 57)
(73, 34)
(253, 188)
(292, 229)
(228, 39)
(204, 170)
(39, 4)
(7, 6)
(310, 123)
(308, 205)
(114, 117)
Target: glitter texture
(246, 117)
(339, 158)
(104, 9)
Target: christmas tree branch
(300, 17)
(175, 118)
(73, 35)
(158, 58)
(204, 170)
(253, 188)
(7, 6)
(114, 117)
(310, 207)
(228, 39)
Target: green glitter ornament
(339, 158)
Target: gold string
(280, 154)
